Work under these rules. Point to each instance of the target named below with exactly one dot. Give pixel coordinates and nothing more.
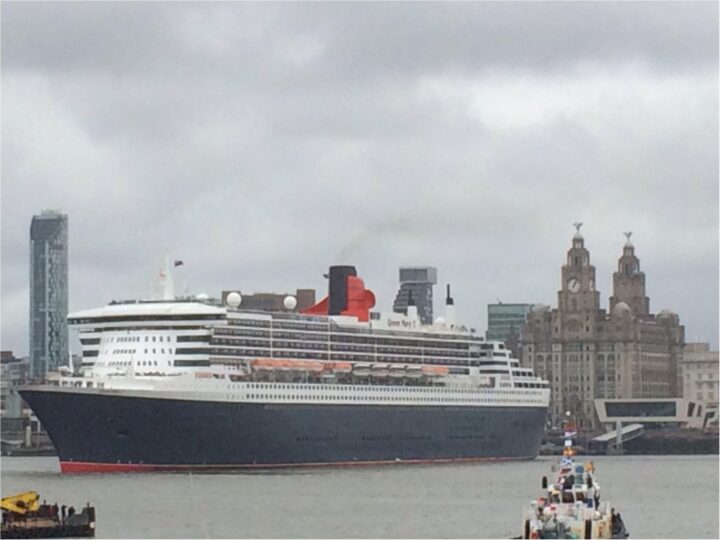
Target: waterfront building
(273, 301)
(700, 374)
(505, 323)
(416, 286)
(14, 371)
(48, 292)
(683, 412)
(587, 353)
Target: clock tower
(629, 282)
(577, 292)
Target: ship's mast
(165, 282)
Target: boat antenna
(449, 309)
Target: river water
(658, 497)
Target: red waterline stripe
(89, 467)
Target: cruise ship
(198, 384)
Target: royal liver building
(587, 353)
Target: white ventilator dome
(290, 302)
(233, 299)
(202, 297)
(440, 321)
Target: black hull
(94, 431)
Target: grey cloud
(356, 41)
(262, 143)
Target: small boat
(271, 364)
(361, 369)
(414, 372)
(434, 371)
(398, 371)
(338, 367)
(570, 507)
(24, 517)
(380, 370)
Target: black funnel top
(337, 292)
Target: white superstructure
(197, 350)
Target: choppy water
(658, 496)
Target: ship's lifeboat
(271, 364)
(414, 372)
(434, 371)
(380, 370)
(361, 369)
(338, 367)
(398, 371)
(263, 365)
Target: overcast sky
(261, 143)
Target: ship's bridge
(146, 336)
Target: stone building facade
(587, 353)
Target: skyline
(261, 144)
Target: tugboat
(24, 517)
(570, 507)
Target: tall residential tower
(48, 292)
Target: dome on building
(666, 314)
(540, 308)
(621, 309)
(233, 299)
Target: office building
(506, 320)
(48, 292)
(587, 353)
(416, 285)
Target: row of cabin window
(343, 388)
(287, 353)
(134, 351)
(322, 345)
(139, 363)
(136, 339)
(380, 398)
(377, 340)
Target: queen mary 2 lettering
(173, 385)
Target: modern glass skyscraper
(506, 320)
(48, 292)
(417, 282)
